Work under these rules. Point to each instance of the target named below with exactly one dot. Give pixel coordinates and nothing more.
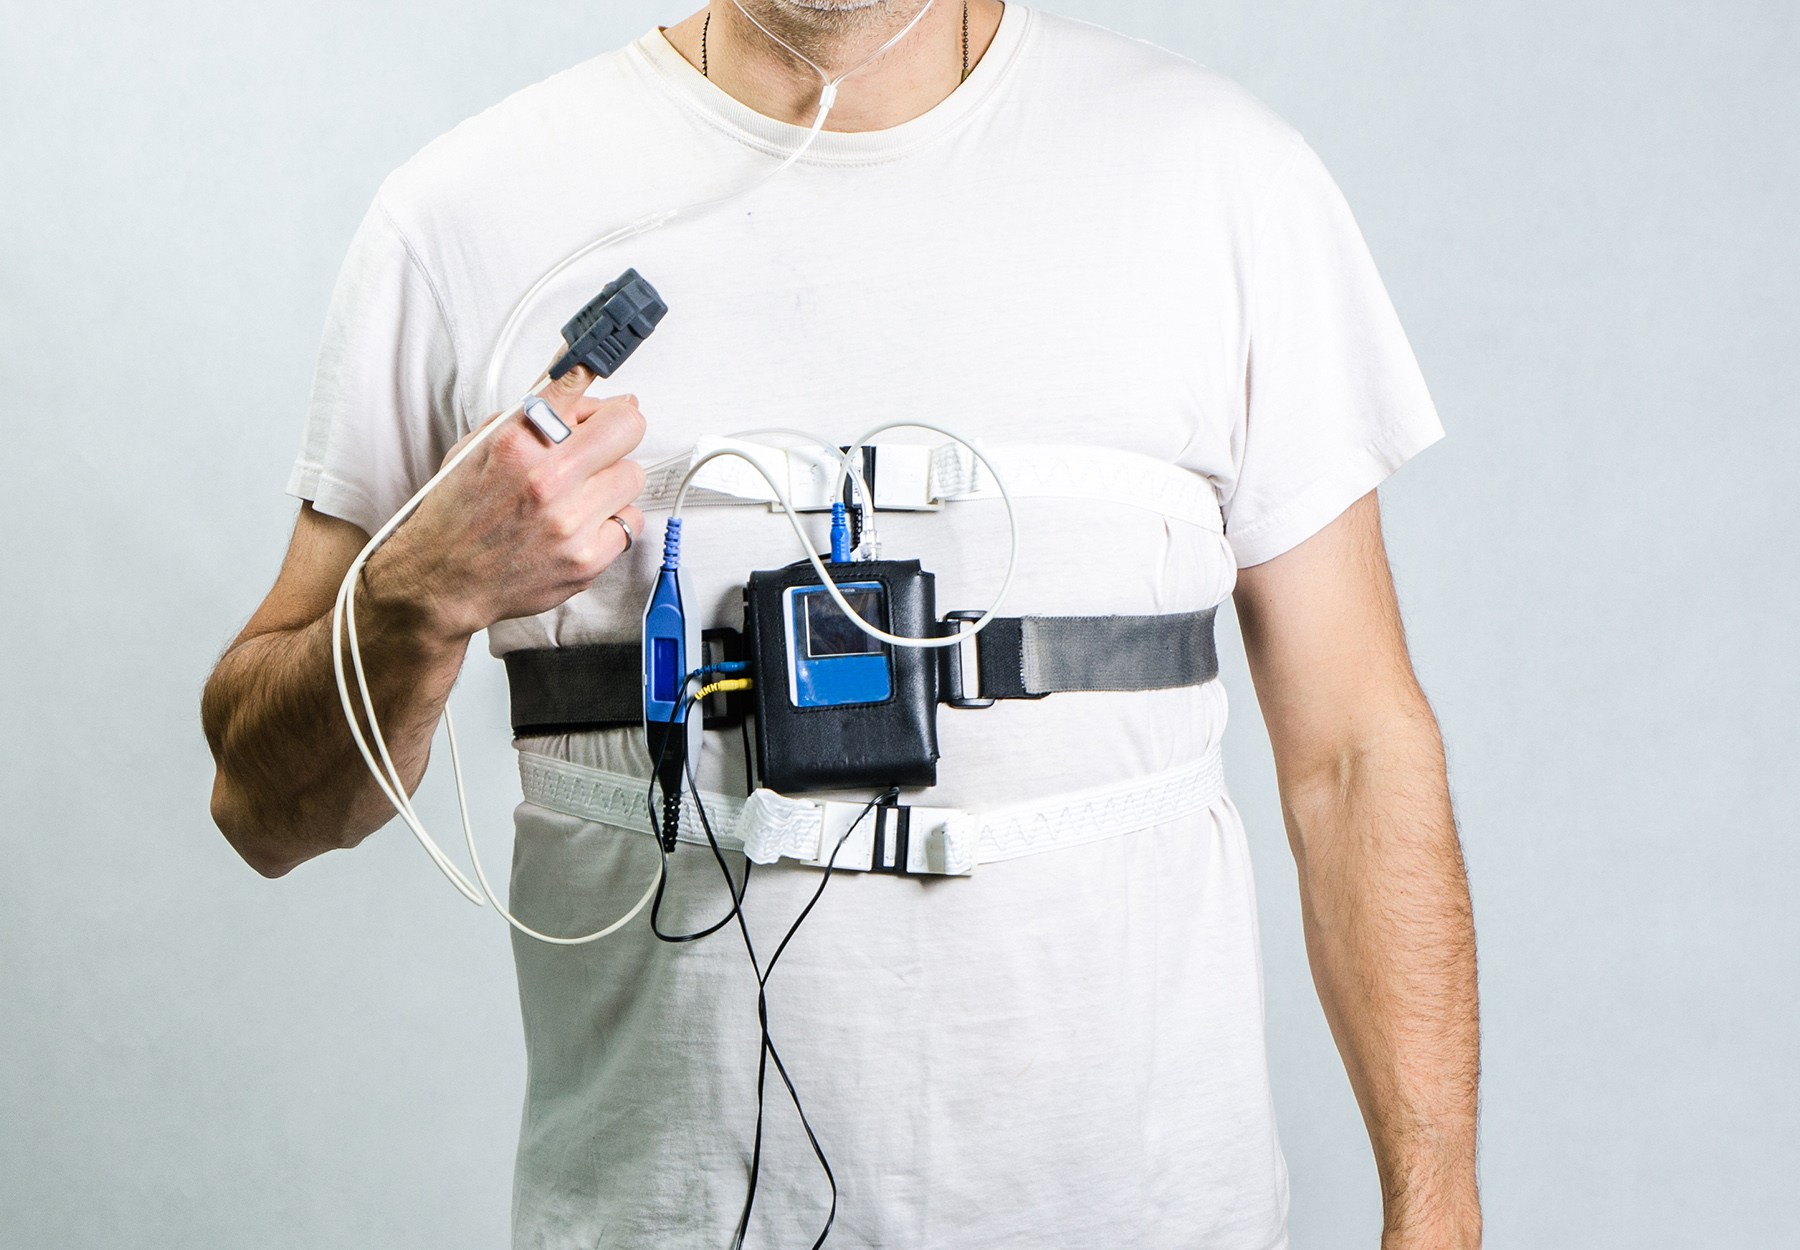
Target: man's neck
(907, 80)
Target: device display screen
(830, 632)
(831, 661)
(665, 659)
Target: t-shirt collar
(671, 71)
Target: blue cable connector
(840, 534)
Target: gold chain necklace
(706, 26)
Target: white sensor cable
(462, 804)
(831, 587)
(343, 628)
(844, 469)
(386, 773)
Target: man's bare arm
(290, 783)
(517, 529)
(1385, 899)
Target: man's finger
(568, 398)
(627, 518)
(564, 392)
(610, 490)
(608, 436)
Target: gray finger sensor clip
(605, 332)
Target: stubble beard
(831, 30)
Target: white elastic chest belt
(912, 477)
(940, 840)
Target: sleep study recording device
(836, 708)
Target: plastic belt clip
(901, 840)
(837, 833)
(891, 819)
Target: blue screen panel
(833, 662)
(665, 656)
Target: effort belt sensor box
(835, 708)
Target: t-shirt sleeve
(383, 409)
(1335, 401)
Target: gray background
(1586, 214)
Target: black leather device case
(860, 746)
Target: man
(1042, 236)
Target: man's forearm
(518, 527)
(291, 783)
(1391, 939)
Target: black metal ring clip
(951, 671)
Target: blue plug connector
(665, 637)
(665, 685)
(840, 534)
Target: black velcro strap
(1028, 657)
(601, 685)
(559, 690)
(1162, 652)
(997, 650)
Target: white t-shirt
(1090, 243)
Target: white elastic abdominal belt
(942, 840)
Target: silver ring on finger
(630, 538)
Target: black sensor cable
(767, 1051)
(670, 827)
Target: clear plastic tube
(509, 331)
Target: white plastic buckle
(899, 478)
(895, 838)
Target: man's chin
(831, 6)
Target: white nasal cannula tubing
(828, 90)
(379, 759)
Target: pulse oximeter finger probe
(606, 331)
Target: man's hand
(1382, 888)
(522, 525)
(518, 528)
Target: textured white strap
(1076, 471)
(619, 799)
(917, 476)
(770, 826)
(1102, 812)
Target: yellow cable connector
(723, 687)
